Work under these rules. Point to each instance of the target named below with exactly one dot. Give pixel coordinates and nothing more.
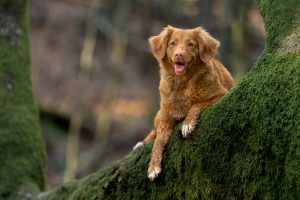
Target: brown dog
(191, 80)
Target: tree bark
(247, 145)
(21, 148)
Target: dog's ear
(159, 43)
(207, 44)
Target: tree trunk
(21, 148)
(246, 147)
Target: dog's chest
(179, 104)
(177, 100)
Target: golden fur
(191, 80)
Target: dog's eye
(190, 44)
(173, 43)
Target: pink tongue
(179, 68)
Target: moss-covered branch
(246, 147)
(21, 149)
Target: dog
(191, 80)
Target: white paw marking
(138, 145)
(152, 175)
(187, 129)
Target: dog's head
(183, 48)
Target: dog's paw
(154, 173)
(187, 128)
(138, 145)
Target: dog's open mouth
(179, 67)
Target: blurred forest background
(96, 81)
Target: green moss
(21, 149)
(256, 132)
(278, 16)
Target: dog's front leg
(164, 131)
(190, 122)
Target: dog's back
(225, 76)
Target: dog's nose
(179, 54)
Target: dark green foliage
(246, 147)
(21, 148)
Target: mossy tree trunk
(21, 147)
(246, 147)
